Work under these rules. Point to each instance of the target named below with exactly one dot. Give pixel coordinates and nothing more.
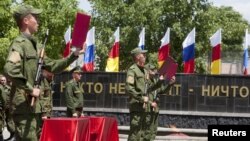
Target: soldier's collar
(30, 37)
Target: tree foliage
(131, 16)
(180, 15)
(56, 16)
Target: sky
(241, 6)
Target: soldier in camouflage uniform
(157, 85)
(5, 92)
(74, 94)
(21, 67)
(2, 103)
(46, 98)
(135, 88)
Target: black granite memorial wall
(192, 93)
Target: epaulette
(132, 67)
(70, 82)
(19, 39)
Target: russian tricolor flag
(90, 51)
(188, 52)
(215, 41)
(67, 38)
(142, 39)
(245, 55)
(113, 59)
(163, 51)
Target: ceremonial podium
(80, 129)
(103, 129)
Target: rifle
(146, 91)
(146, 94)
(39, 67)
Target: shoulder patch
(130, 80)
(14, 57)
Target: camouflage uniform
(135, 88)
(156, 87)
(20, 67)
(7, 111)
(46, 98)
(2, 103)
(74, 96)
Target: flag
(215, 41)
(81, 27)
(188, 52)
(67, 38)
(142, 39)
(113, 59)
(163, 51)
(90, 51)
(245, 54)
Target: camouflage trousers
(143, 126)
(28, 127)
(1, 120)
(9, 121)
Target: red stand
(80, 129)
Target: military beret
(137, 50)
(23, 10)
(77, 70)
(150, 66)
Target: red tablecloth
(65, 129)
(103, 129)
(80, 129)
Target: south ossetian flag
(163, 51)
(67, 38)
(215, 41)
(113, 59)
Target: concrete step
(170, 134)
(123, 137)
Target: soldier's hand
(74, 115)
(145, 99)
(82, 115)
(81, 50)
(154, 104)
(44, 117)
(161, 77)
(35, 92)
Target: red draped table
(80, 129)
(103, 129)
(65, 129)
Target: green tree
(180, 15)
(56, 16)
(7, 32)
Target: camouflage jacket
(2, 97)
(5, 96)
(73, 95)
(135, 87)
(21, 66)
(46, 99)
